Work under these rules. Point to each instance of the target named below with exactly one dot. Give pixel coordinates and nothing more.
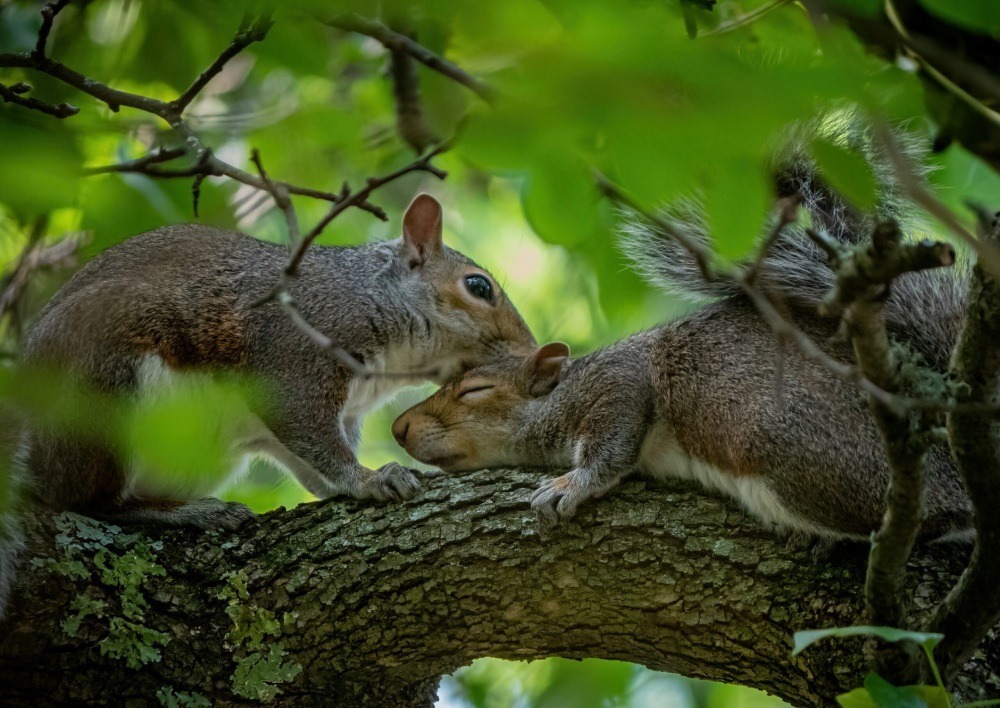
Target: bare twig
(396, 41)
(410, 122)
(349, 199)
(988, 253)
(33, 258)
(160, 154)
(15, 94)
(787, 214)
(254, 31)
(972, 608)
(280, 194)
(744, 19)
(49, 12)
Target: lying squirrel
(179, 302)
(705, 397)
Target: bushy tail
(926, 308)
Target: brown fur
(708, 385)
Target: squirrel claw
(394, 482)
(556, 500)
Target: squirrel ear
(546, 367)
(422, 229)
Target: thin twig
(988, 253)
(281, 199)
(49, 12)
(255, 31)
(15, 94)
(400, 42)
(744, 19)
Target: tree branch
(254, 31)
(864, 275)
(375, 603)
(973, 606)
(15, 94)
(395, 41)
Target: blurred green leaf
(879, 693)
(982, 16)
(847, 172)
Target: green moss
(260, 664)
(122, 562)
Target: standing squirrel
(710, 397)
(177, 304)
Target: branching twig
(395, 41)
(254, 31)
(972, 608)
(15, 94)
(988, 253)
(410, 122)
(864, 275)
(281, 199)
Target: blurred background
(618, 86)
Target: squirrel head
(470, 315)
(472, 422)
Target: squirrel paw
(556, 499)
(393, 482)
(212, 513)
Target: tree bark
(376, 603)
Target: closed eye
(474, 389)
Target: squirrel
(178, 304)
(709, 397)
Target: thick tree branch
(973, 606)
(376, 602)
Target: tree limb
(375, 603)
(973, 606)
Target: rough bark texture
(376, 603)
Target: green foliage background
(613, 85)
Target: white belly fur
(661, 456)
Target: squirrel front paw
(392, 482)
(556, 499)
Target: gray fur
(179, 302)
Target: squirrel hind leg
(207, 513)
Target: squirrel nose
(399, 430)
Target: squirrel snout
(400, 428)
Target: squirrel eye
(479, 286)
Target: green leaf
(736, 202)
(806, 638)
(847, 172)
(560, 201)
(982, 16)
(879, 693)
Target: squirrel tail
(925, 308)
